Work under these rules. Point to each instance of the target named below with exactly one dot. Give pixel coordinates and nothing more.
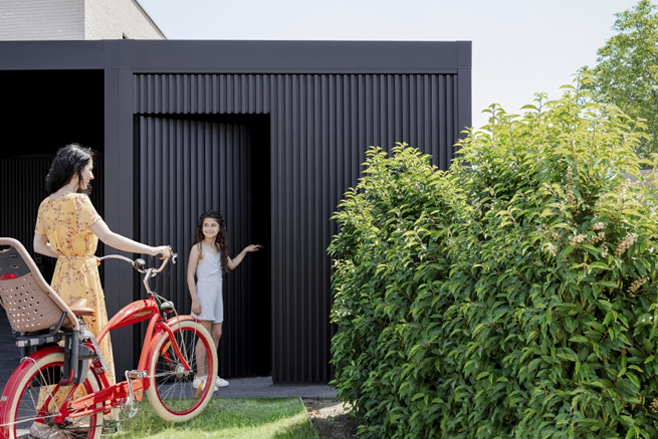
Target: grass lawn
(277, 418)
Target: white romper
(209, 288)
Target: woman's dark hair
(220, 241)
(69, 161)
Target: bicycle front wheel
(170, 390)
(39, 396)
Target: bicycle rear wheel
(38, 395)
(170, 391)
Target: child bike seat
(31, 304)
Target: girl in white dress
(208, 260)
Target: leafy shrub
(394, 229)
(512, 296)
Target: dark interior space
(43, 110)
(262, 309)
(246, 345)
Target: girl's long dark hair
(220, 241)
(69, 161)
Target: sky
(520, 47)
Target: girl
(208, 260)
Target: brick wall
(116, 19)
(75, 20)
(41, 19)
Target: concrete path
(250, 387)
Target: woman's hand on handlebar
(163, 250)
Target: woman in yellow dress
(68, 228)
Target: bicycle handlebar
(140, 265)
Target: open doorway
(194, 163)
(42, 111)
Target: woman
(68, 228)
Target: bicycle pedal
(136, 374)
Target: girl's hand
(196, 307)
(253, 248)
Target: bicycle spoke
(38, 399)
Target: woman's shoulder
(46, 201)
(51, 200)
(79, 196)
(71, 197)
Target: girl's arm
(41, 245)
(232, 263)
(100, 229)
(191, 270)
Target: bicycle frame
(43, 391)
(131, 314)
(115, 395)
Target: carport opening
(42, 111)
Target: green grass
(225, 418)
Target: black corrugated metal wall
(22, 189)
(320, 127)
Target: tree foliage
(626, 73)
(513, 296)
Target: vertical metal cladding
(23, 188)
(187, 167)
(320, 128)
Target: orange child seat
(36, 313)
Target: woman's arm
(233, 263)
(120, 242)
(41, 245)
(191, 270)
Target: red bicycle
(62, 383)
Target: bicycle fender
(9, 391)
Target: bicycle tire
(24, 406)
(170, 392)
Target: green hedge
(511, 296)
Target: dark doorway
(42, 111)
(193, 163)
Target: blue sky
(520, 47)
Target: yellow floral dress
(65, 222)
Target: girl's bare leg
(201, 369)
(216, 333)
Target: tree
(627, 71)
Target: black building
(271, 133)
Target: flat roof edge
(245, 56)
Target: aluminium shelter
(271, 133)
